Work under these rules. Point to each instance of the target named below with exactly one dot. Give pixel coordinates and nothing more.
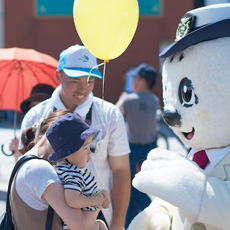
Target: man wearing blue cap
(139, 109)
(110, 149)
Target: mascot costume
(193, 192)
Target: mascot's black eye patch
(196, 99)
(186, 93)
(172, 58)
(181, 57)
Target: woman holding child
(37, 184)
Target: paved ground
(7, 163)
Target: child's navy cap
(67, 135)
(199, 25)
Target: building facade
(47, 26)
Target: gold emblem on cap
(197, 226)
(183, 28)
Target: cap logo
(84, 57)
(185, 26)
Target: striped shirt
(77, 179)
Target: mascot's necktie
(201, 158)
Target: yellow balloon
(106, 27)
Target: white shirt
(112, 140)
(32, 179)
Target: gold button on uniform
(197, 226)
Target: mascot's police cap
(199, 25)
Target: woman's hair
(33, 134)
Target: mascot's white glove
(173, 178)
(154, 217)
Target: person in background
(37, 184)
(129, 78)
(39, 92)
(110, 150)
(70, 138)
(139, 110)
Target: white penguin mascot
(193, 192)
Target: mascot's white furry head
(196, 78)
(196, 91)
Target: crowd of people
(89, 160)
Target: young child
(70, 138)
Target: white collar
(214, 155)
(82, 109)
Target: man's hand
(14, 144)
(119, 103)
(106, 201)
(14, 148)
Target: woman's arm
(74, 218)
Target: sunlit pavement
(7, 163)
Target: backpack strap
(15, 169)
(49, 220)
(23, 159)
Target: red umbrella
(20, 70)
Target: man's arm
(121, 189)
(120, 102)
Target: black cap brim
(208, 32)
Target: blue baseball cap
(77, 61)
(67, 135)
(199, 25)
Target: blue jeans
(138, 200)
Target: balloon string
(102, 115)
(96, 66)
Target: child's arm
(75, 199)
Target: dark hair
(28, 135)
(148, 73)
(149, 82)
